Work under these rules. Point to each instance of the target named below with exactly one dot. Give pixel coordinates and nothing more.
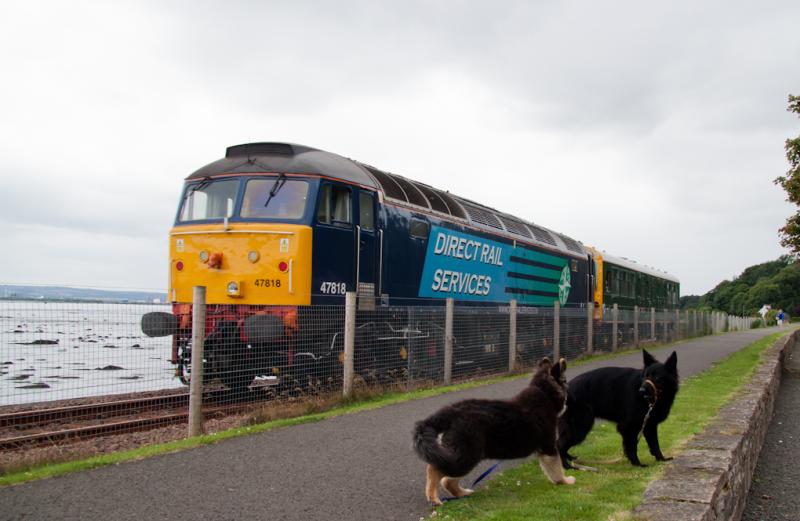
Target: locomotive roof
(635, 266)
(292, 158)
(285, 158)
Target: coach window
(366, 211)
(335, 205)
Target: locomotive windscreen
(264, 198)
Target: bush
(772, 317)
(756, 324)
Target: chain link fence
(56, 355)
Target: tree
(790, 234)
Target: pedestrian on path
(781, 316)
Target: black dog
(636, 400)
(457, 437)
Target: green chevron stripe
(539, 257)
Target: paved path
(356, 467)
(773, 495)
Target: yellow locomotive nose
(243, 263)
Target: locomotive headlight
(253, 256)
(233, 289)
(204, 256)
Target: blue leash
(477, 480)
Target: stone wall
(710, 479)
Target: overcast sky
(650, 131)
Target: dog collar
(655, 390)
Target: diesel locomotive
(277, 231)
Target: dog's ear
(558, 369)
(545, 363)
(648, 358)
(672, 363)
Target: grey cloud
(572, 66)
(85, 205)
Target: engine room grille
(436, 202)
(515, 227)
(455, 208)
(389, 185)
(571, 244)
(484, 217)
(413, 194)
(542, 235)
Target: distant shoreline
(80, 301)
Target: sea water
(55, 351)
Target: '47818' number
(333, 288)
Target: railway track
(46, 426)
(22, 419)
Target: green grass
(524, 492)
(45, 469)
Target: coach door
(367, 244)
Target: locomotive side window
(334, 205)
(208, 200)
(366, 211)
(275, 198)
(419, 229)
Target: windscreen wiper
(202, 184)
(279, 182)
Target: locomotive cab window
(207, 200)
(335, 205)
(274, 198)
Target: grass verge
(612, 493)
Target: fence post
(614, 327)
(590, 328)
(448, 342)
(653, 324)
(677, 324)
(349, 341)
(636, 327)
(556, 331)
(512, 334)
(196, 382)
(686, 330)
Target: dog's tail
(430, 448)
